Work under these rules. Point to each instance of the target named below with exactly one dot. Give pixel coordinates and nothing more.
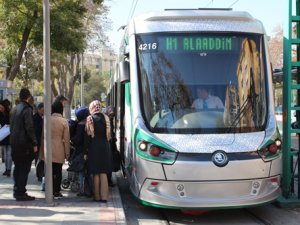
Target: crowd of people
(92, 139)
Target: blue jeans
(7, 156)
(81, 182)
(21, 171)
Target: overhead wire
(210, 2)
(132, 9)
(232, 4)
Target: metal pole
(82, 83)
(298, 91)
(47, 105)
(286, 117)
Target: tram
(194, 107)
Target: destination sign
(198, 43)
(190, 43)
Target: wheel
(75, 186)
(65, 184)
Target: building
(102, 61)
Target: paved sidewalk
(69, 210)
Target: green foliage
(15, 15)
(93, 88)
(73, 24)
(98, 1)
(66, 25)
(67, 18)
(32, 67)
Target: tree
(78, 19)
(276, 47)
(18, 18)
(96, 23)
(95, 87)
(22, 24)
(73, 24)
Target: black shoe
(102, 201)
(80, 194)
(24, 197)
(6, 173)
(89, 195)
(58, 195)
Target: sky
(270, 12)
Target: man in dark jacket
(23, 143)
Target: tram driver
(206, 100)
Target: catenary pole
(47, 104)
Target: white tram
(181, 147)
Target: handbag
(40, 168)
(116, 156)
(116, 160)
(4, 132)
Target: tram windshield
(202, 82)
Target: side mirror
(124, 71)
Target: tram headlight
(143, 146)
(278, 143)
(153, 152)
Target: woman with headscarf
(97, 150)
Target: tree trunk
(73, 78)
(16, 65)
(73, 69)
(53, 87)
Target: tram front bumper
(209, 194)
